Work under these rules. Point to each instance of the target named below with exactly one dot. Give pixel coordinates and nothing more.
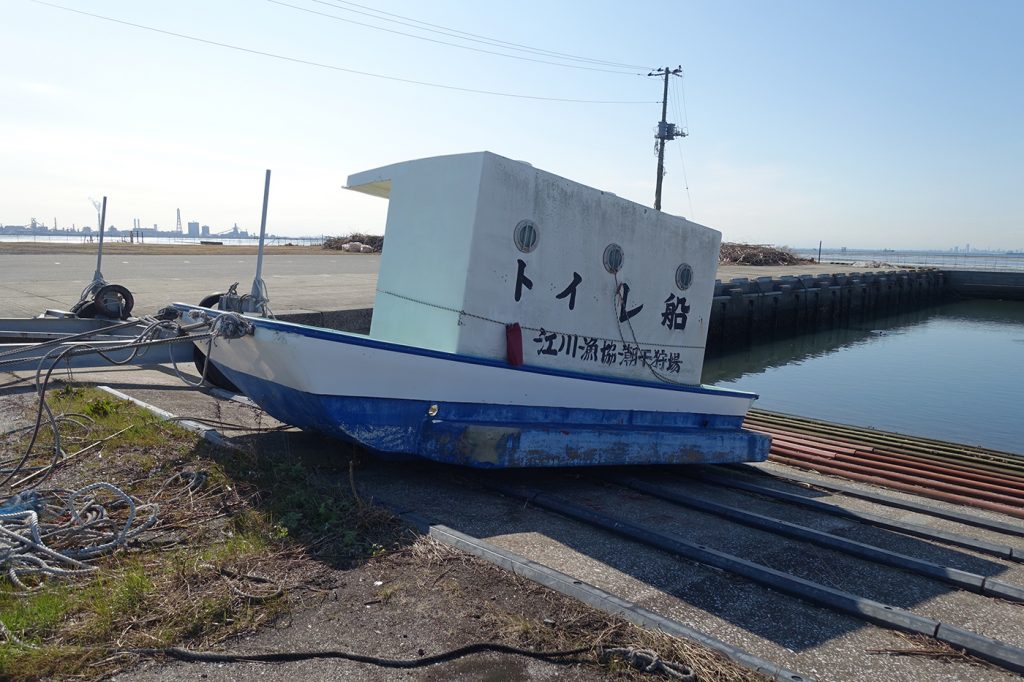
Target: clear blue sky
(865, 124)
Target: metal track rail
(882, 440)
(914, 529)
(1000, 653)
(950, 472)
(909, 505)
(963, 579)
(911, 483)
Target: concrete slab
(30, 283)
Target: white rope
(72, 531)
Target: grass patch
(106, 415)
(235, 540)
(308, 499)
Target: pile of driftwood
(357, 242)
(758, 254)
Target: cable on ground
(561, 657)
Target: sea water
(953, 372)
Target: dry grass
(227, 555)
(584, 627)
(543, 619)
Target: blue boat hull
(509, 436)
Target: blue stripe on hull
(508, 436)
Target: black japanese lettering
(673, 362)
(676, 309)
(570, 290)
(629, 356)
(522, 280)
(569, 344)
(609, 353)
(625, 314)
(547, 341)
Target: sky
(868, 124)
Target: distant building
(205, 231)
(193, 229)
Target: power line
(678, 87)
(455, 33)
(333, 67)
(444, 42)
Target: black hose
(560, 657)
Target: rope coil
(648, 661)
(43, 534)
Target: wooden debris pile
(375, 242)
(758, 254)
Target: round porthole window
(613, 258)
(526, 236)
(684, 276)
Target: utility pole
(666, 131)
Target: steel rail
(795, 441)
(909, 505)
(917, 530)
(916, 486)
(874, 435)
(972, 471)
(955, 472)
(963, 579)
(881, 439)
(990, 491)
(992, 650)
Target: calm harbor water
(954, 372)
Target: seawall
(745, 310)
(1008, 285)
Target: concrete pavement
(30, 283)
(300, 282)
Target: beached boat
(484, 256)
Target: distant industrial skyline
(193, 229)
(866, 125)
